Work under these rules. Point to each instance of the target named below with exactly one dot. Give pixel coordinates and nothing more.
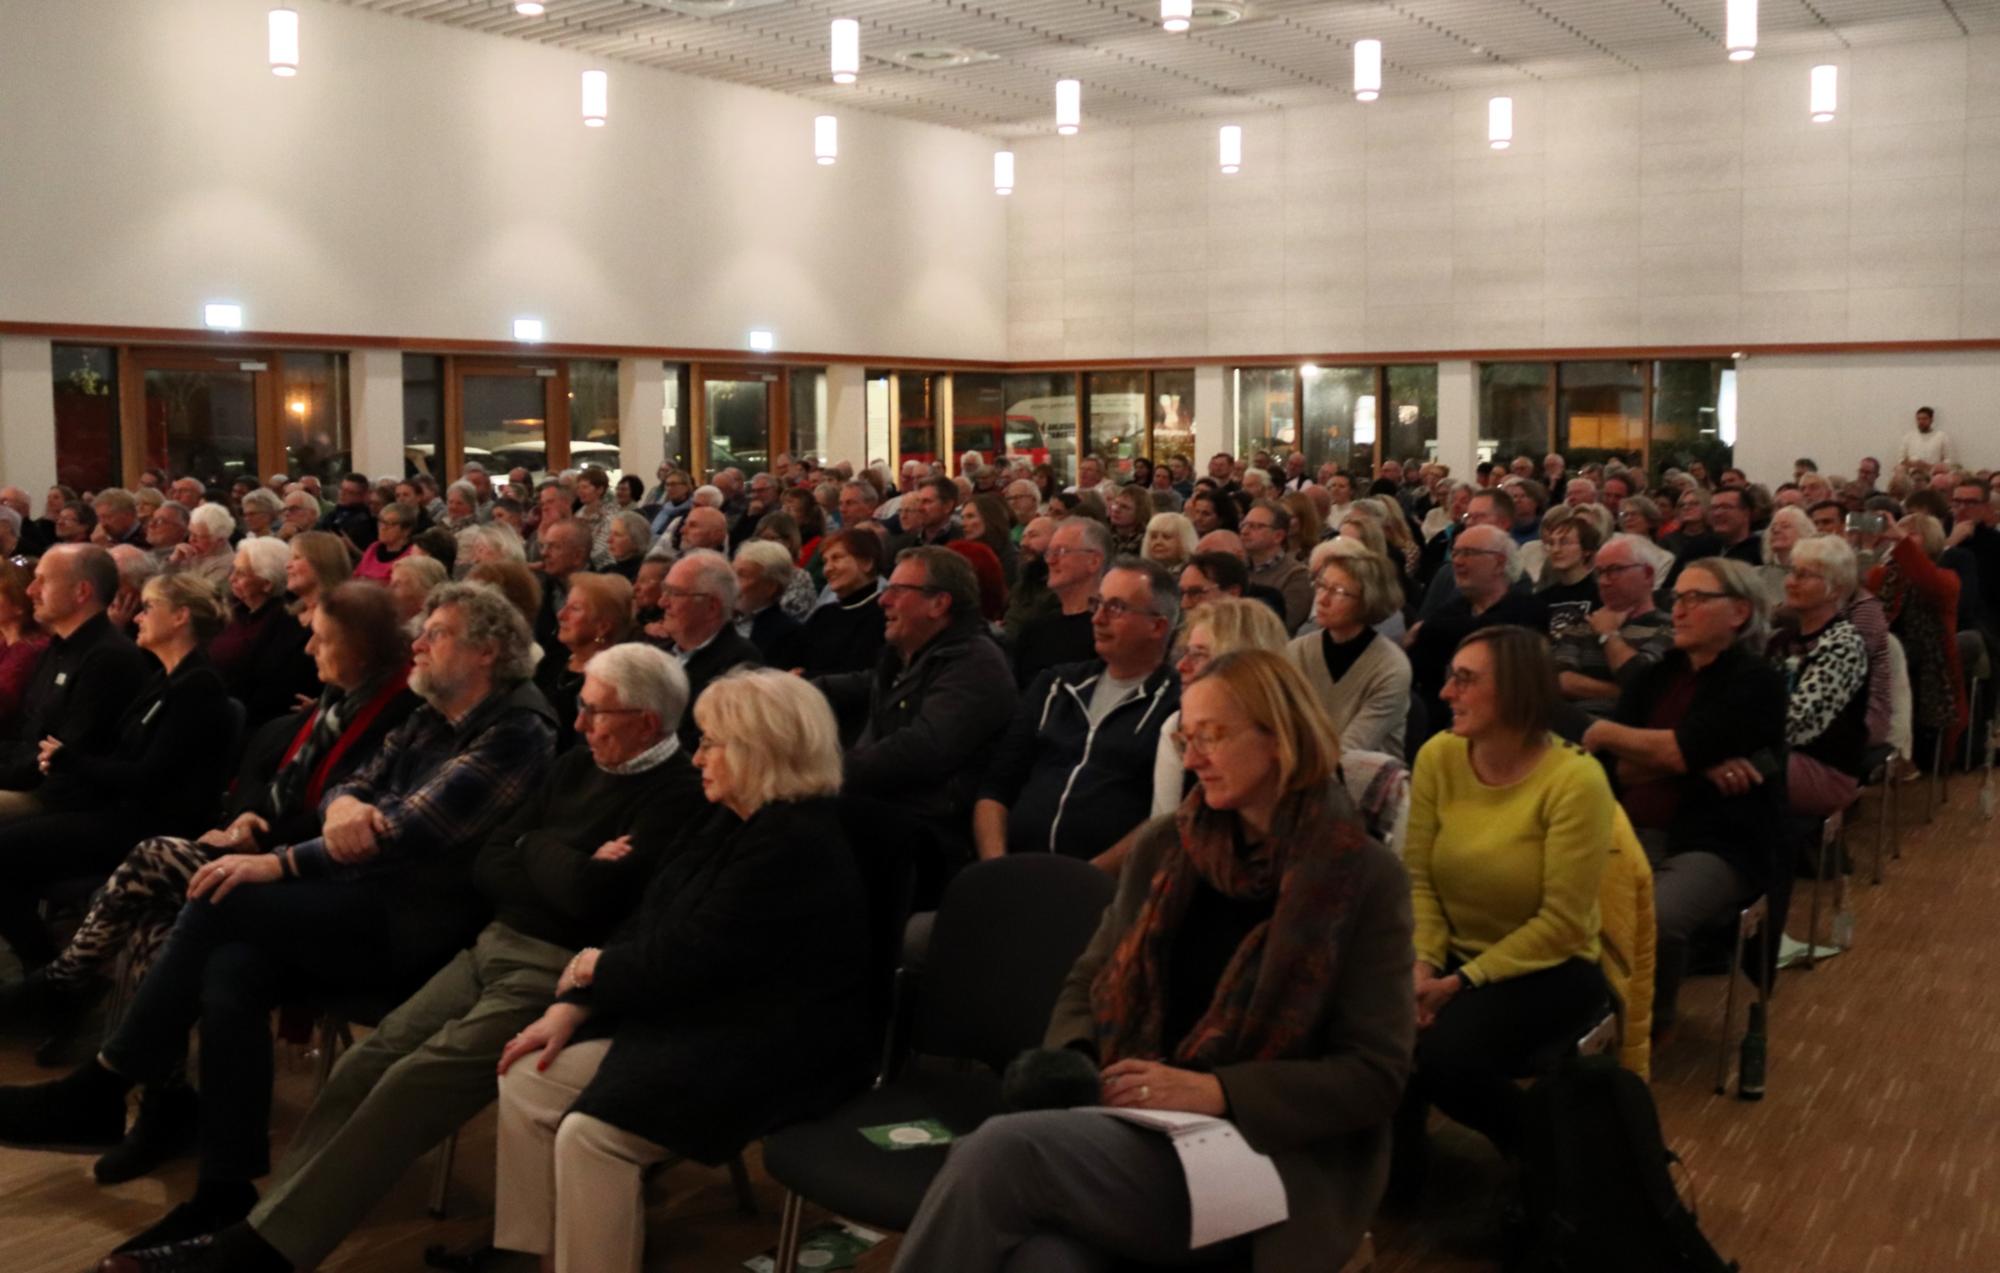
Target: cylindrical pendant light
(285, 42)
(1825, 93)
(1003, 172)
(1232, 148)
(1069, 106)
(1175, 14)
(826, 138)
(846, 50)
(530, 8)
(1367, 70)
(596, 98)
(1740, 30)
(1500, 123)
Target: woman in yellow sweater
(1509, 830)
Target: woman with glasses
(1361, 678)
(1505, 848)
(1566, 583)
(1788, 526)
(1215, 627)
(1249, 967)
(1825, 662)
(1694, 745)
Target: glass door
(738, 406)
(510, 416)
(203, 415)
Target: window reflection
(506, 425)
(423, 414)
(312, 414)
(1173, 415)
(1026, 416)
(593, 415)
(1340, 418)
(1410, 421)
(1687, 413)
(1117, 420)
(808, 412)
(202, 423)
(1601, 412)
(1514, 402)
(739, 424)
(86, 396)
(1264, 410)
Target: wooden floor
(1876, 1149)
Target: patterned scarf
(1273, 994)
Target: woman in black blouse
(845, 633)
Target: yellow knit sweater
(1506, 878)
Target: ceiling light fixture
(527, 329)
(762, 341)
(1500, 123)
(846, 41)
(596, 98)
(530, 8)
(1175, 15)
(1367, 70)
(1069, 106)
(1003, 172)
(225, 316)
(1232, 149)
(1740, 29)
(284, 42)
(826, 138)
(1825, 93)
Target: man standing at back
(1927, 444)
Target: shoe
(199, 1217)
(195, 1255)
(84, 1107)
(169, 1118)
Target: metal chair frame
(1754, 918)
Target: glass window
(1694, 414)
(1117, 420)
(1264, 419)
(86, 390)
(1173, 416)
(878, 418)
(423, 415)
(978, 411)
(202, 423)
(593, 415)
(506, 421)
(1028, 417)
(1514, 410)
(739, 424)
(313, 414)
(809, 413)
(1411, 418)
(1339, 419)
(916, 417)
(1601, 412)
(672, 426)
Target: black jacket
(268, 665)
(735, 996)
(776, 636)
(727, 652)
(174, 738)
(78, 694)
(844, 636)
(1071, 787)
(274, 746)
(1050, 640)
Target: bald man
(1485, 563)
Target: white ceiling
(1282, 52)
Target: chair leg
(333, 1036)
(1728, 1016)
(1895, 815)
(739, 1175)
(441, 1179)
(1812, 920)
(1932, 794)
(788, 1233)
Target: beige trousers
(568, 1185)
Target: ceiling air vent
(1216, 13)
(937, 57)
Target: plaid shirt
(443, 787)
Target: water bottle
(1750, 1058)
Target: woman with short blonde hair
(1209, 631)
(1359, 677)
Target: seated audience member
(1825, 662)
(992, 584)
(410, 582)
(319, 563)
(1729, 521)
(1627, 633)
(646, 585)
(23, 642)
(301, 514)
(1567, 584)
(118, 517)
(1210, 511)
(375, 903)
(74, 524)
(166, 531)
(1030, 597)
(1485, 565)
(1506, 843)
(627, 542)
(136, 568)
(1920, 599)
(984, 519)
(596, 616)
(595, 512)
(1689, 537)
(1695, 745)
(261, 652)
(764, 571)
(1170, 540)
(84, 681)
(1078, 554)
(699, 598)
(461, 507)
(1266, 530)
(844, 634)
(800, 593)
(1829, 517)
(560, 875)
(160, 773)
(396, 527)
(517, 582)
(925, 514)
(1360, 678)
(728, 1004)
(1074, 771)
(363, 659)
(438, 544)
(1222, 625)
(565, 549)
(206, 552)
(350, 518)
(1251, 966)
(1127, 509)
(1485, 508)
(1210, 575)
(1787, 527)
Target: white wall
(1837, 408)
(1696, 206)
(420, 181)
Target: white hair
(268, 557)
(706, 497)
(717, 579)
(213, 520)
(497, 540)
(1835, 559)
(770, 558)
(646, 677)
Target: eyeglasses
(684, 594)
(1466, 554)
(1207, 738)
(1801, 572)
(1690, 597)
(1462, 678)
(1958, 501)
(899, 588)
(1056, 553)
(710, 742)
(585, 711)
(1257, 526)
(1336, 590)
(1191, 597)
(1117, 609)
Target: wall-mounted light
(826, 138)
(527, 329)
(1500, 123)
(223, 316)
(1176, 14)
(762, 341)
(1069, 106)
(1739, 33)
(1231, 148)
(846, 43)
(530, 8)
(1003, 172)
(596, 98)
(284, 44)
(1367, 70)
(1825, 93)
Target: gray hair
(706, 497)
(1740, 582)
(263, 499)
(430, 569)
(869, 495)
(1835, 559)
(135, 565)
(465, 490)
(303, 499)
(1097, 538)
(500, 537)
(173, 509)
(1166, 589)
(268, 558)
(950, 574)
(646, 677)
(1381, 594)
(212, 520)
(116, 498)
(716, 578)
(638, 530)
(770, 558)
(492, 621)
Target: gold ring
(1145, 1093)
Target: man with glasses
(1485, 565)
(1628, 633)
(696, 604)
(1729, 521)
(1078, 553)
(1266, 531)
(1492, 507)
(166, 530)
(1074, 772)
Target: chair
(1389, 816)
(1006, 935)
(1752, 919)
(1831, 832)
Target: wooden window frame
(555, 407)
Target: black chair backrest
(886, 860)
(1006, 936)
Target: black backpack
(1599, 1191)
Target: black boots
(85, 1107)
(169, 1117)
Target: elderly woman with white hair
(410, 582)
(261, 652)
(764, 571)
(730, 1003)
(461, 507)
(1170, 540)
(1788, 526)
(261, 511)
(1825, 662)
(205, 553)
(495, 541)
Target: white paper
(1232, 1189)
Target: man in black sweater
(560, 876)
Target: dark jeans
(1691, 890)
(46, 848)
(226, 966)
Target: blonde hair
(1278, 701)
(610, 598)
(191, 592)
(1381, 594)
(780, 732)
(1234, 623)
